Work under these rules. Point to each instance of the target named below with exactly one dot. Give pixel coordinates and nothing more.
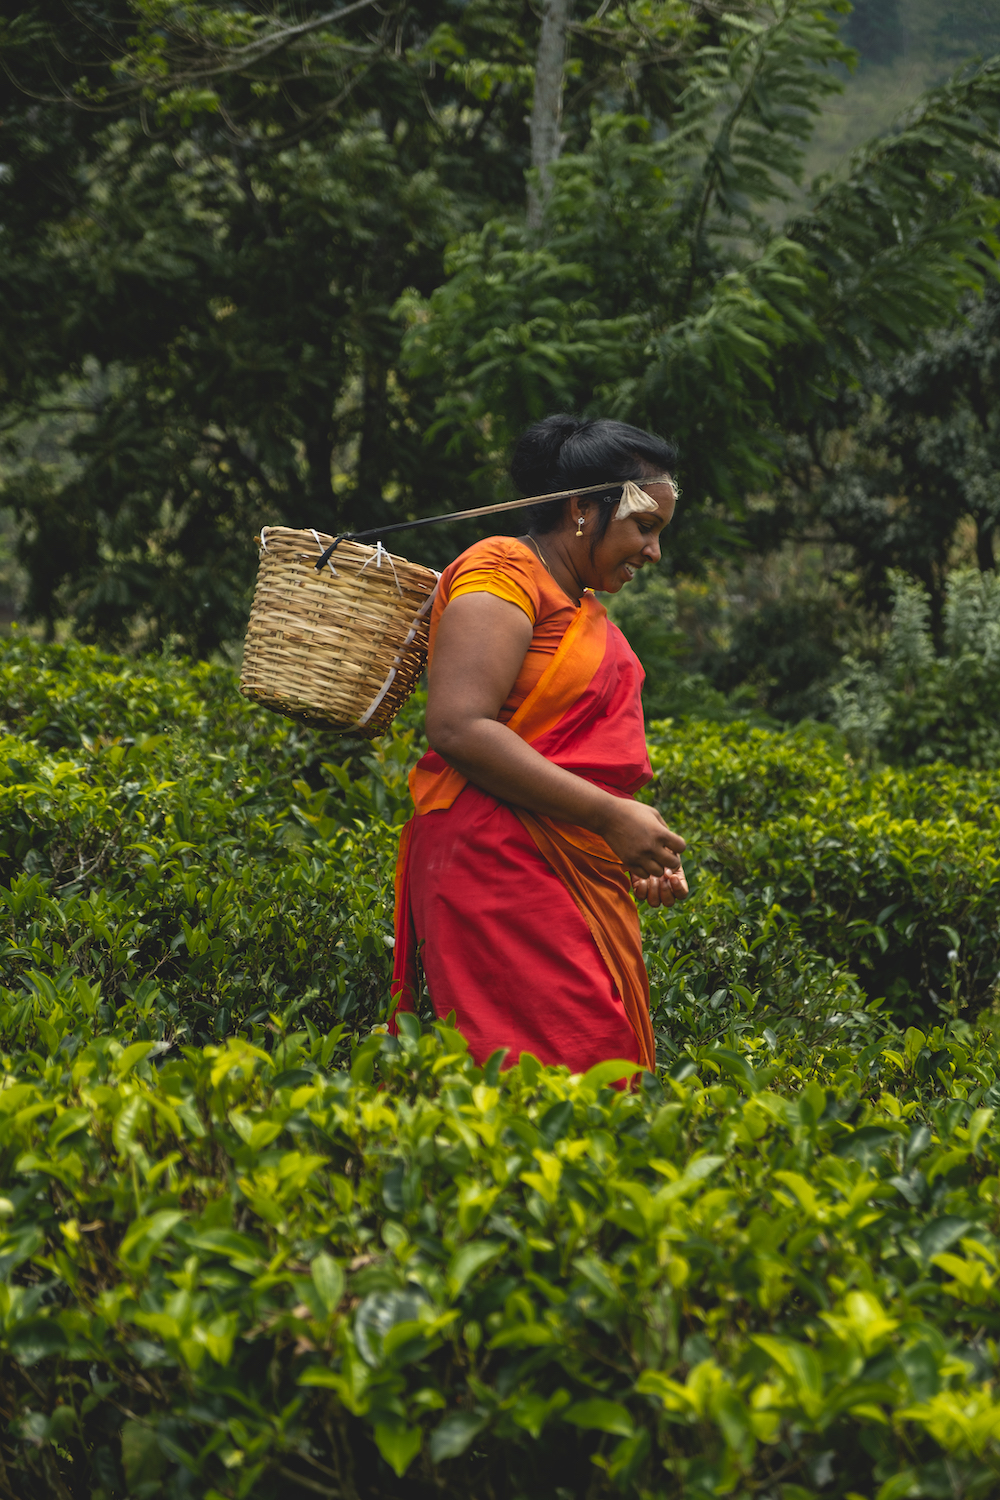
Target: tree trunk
(985, 556)
(373, 455)
(320, 490)
(546, 111)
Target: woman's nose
(652, 549)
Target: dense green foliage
(918, 704)
(164, 846)
(201, 864)
(210, 216)
(731, 647)
(272, 264)
(922, 427)
(875, 27)
(252, 1247)
(237, 1275)
(664, 295)
(821, 872)
(200, 287)
(906, 688)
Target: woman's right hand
(641, 839)
(662, 891)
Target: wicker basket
(340, 649)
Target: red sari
(526, 927)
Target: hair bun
(536, 458)
(562, 426)
(563, 451)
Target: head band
(633, 500)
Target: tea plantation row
(252, 1248)
(201, 864)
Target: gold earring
(579, 526)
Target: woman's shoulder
(499, 565)
(495, 555)
(495, 551)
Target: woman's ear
(578, 515)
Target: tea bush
(891, 875)
(203, 863)
(165, 844)
(250, 1246)
(242, 1274)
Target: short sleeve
(500, 567)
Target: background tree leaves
(264, 267)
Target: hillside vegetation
(266, 267)
(253, 1246)
(904, 47)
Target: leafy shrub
(242, 1275)
(786, 650)
(244, 1255)
(918, 705)
(675, 686)
(160, 842)
(892, 875)
(199, 864)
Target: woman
(513, 885)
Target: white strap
(633, 500)
(376, 558)
(322, 549)
(390, 679)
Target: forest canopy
(276, 263)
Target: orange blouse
(510, 570)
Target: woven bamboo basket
(342, 648)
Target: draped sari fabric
(526, 926)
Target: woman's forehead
(665, 496)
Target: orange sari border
(604, 898)
(568, 675)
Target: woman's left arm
(480, 648)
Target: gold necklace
(543, 559)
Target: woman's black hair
(561, 452)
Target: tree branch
(234, 61)
(546, 110)
(266, 46)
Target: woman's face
(627, 545)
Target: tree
(915, 474)
(875, 28)
(219, 212)
(546, 109)
(214, 212)
(664, 293)
(967, 27)
(221, 226)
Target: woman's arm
(480, 648)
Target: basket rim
(345, 548)
(344, 649)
